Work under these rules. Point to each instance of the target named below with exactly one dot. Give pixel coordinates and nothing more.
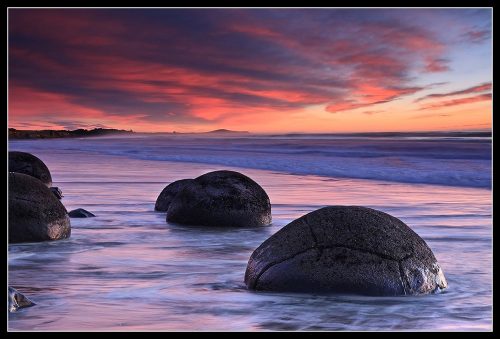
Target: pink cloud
(436, 65)
(368, 95)
(29, 104)
(471, 90)
(25, 101)
(477, 35)
(461, 101)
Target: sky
(258, 70)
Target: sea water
(127, 269)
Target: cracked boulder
(221, 198)
(168, 194)
(35, 214)
(26, 163)
(345, 249)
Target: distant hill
(78, 133)
(222, 130)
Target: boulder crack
(24, 199)
(404, 280)
(268, 266)
(315, 240)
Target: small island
(224, 131)
(78, 133)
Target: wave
(462, 162)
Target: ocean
(127, 269)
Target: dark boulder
(57, 192)
(17, 300)
(26, 163)
(168, 194)
(80, 213)
(345, 249)
(221, 198)
(35, 214)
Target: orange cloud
(369, 95)
(455, 102)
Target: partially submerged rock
(221, 198)
(80, 213)
(35, 214)
(345, 249)
(57, 192)
(168, 194)
(17, 300)
(26, 163)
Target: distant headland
(222, 130)
(96, 132)
(216, 131)
(77, 133)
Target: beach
(128, 269)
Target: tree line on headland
(43, 134)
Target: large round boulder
(35, 214)
(345, 249)
(168, 194)
(221, 198)
(26, 163)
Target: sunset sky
(259, 70)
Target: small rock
(57, 192)
(80, 213)
(18, 300)
(26, 163)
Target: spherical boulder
(345, 249)
(26, 163)
(221, 198)
(35, 214)
(168, 194)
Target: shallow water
(457, 161)
(128, 269)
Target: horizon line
(223, 130)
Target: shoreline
(218, 165)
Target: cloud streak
(455, 102)
(471, 90)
